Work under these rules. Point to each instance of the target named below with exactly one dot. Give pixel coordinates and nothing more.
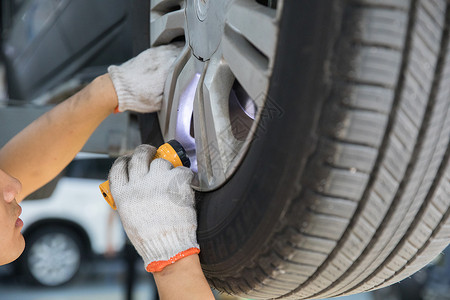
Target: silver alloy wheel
(54, 258)
(216, 91)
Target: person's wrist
(158, 266)
(104, 84)
(183, 280)
(183, 267)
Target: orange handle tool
(171, 151)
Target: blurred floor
(365, 296)
(100, 280)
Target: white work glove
(139, 82)
(156, 205)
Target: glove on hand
(156, 205)
(139, 82)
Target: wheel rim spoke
(248, 45)
(167, 21)
(211, 95)
(256, 23)
(215, 143)
(183, 71)
(205, 144)
(248, 65)
(218, 84)
(162, 6)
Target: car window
(89, 168)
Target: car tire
(52, 256)
(345, 185)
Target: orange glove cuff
(158, 266)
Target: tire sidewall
(237, 221)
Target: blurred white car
(68, 221)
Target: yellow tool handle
(106, 192)
(165, 151)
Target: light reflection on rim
(183, 127)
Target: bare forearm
(183, 280)
(39, 152)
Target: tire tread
(374, 198)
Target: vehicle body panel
(51, 42)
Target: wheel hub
(54, 259)
(216, 91)
(205, 22)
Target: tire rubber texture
(345, 187)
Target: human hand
(156, 205)
(139, 82)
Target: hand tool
(171, 151)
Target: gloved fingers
(140, 161)
(179, 185)
(139, 82)
(183, 173)
(183, 196)
(178, 45)
(162, 54)
(160, 167)
(118, 174)
(180, 177)
(170, 51)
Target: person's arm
(183, 280)
(156, 205)
(42, 150)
